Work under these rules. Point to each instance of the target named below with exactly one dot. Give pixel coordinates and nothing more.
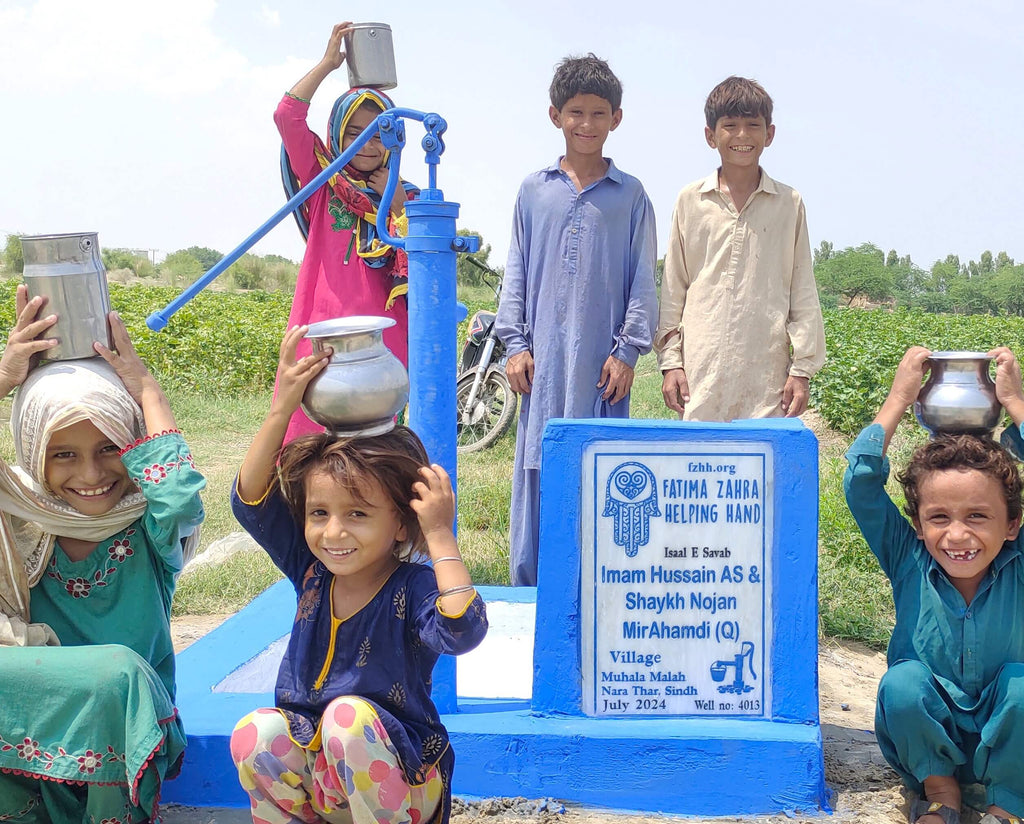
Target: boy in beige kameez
(740, 332)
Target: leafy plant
(864, 347)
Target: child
(740, 331)
(951, 706)
(88, 729)
(354, 729)
(578, 296)
(346, 270)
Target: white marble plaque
(676, 578)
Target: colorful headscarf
(356, 196)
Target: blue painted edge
(241, 638)
(557, 690)
(678, 766)
(705, 767)
(208, 777)
(512, 595)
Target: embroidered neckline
(118, 552)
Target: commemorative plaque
(676, 578)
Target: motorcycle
(485, 403)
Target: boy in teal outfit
(951, 705)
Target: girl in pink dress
(346, 269)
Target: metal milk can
(68, 271)
(364, 386)
(959, 396)
(370, 56)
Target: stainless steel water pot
(959, 396)
(364, 386)
(68, 271)
(370, 56)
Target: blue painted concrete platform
(502, 748)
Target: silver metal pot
(370, 56)
(959, 396)
(364, 386)
(68, 271)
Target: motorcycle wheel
(492, 413)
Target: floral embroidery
(78, 587)
(310, 598)
(396, 695)
(343, 218)
(28, 749)
(154, 473)
(399, 602)
(19, 814)
(432, 746)
(88, 762)
(364, 652)
(120, 550)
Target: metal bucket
(68, 271)
(370, 56)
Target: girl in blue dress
(354, 735)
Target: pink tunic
(333, 281)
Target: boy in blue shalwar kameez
(578, 296)
(951, 705)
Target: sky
(899, 122)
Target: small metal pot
(959, 396)
(364, 386)
(370, 56)
(68, 271)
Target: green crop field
(218, 355)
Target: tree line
(991, 285)
(179, 268)
(270, 273)
(856, 276)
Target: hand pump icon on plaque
(738, 685)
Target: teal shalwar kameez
(952, 701)
(89, 729)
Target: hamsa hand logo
(631, 498)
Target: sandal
(922, 806)
(989, 818)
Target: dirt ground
(864, 788)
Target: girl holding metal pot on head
(346, 269)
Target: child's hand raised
(909, 377)
(433, 503)
(1009, 387)
(134, 374)
(23, 343)
(906, 386)
(137, 378)
(295, 373)
(335, 54)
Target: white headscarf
(54, 396)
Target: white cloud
(117, 46)
(271, 18)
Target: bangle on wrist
(446, 558)
(296, 97)
(456, 590)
